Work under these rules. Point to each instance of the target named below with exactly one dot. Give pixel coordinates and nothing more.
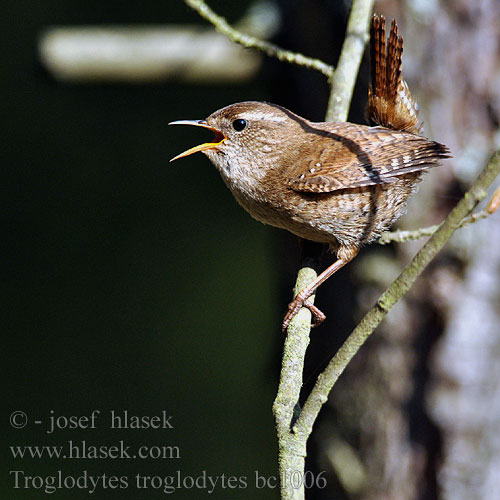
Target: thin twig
(398, 288)
(342, 84)
(222, 26)
(403, 236)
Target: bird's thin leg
(300, 300)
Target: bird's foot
(293, 308)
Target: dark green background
(130, 283)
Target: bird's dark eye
(239, 124)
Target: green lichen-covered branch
(398, 288)
(342, 84)
(250, 42)
(291, 447)
(400, 236)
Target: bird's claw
(293, 308)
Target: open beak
(218, 139)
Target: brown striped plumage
(339, 183)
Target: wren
(338, 183)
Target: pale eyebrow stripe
(259, 115)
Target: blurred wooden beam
(144, 54)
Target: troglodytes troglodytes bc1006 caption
(338, 183)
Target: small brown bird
(338, 183)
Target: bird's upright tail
(390, 103)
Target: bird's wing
(348, 156)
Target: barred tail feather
(390, 103)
